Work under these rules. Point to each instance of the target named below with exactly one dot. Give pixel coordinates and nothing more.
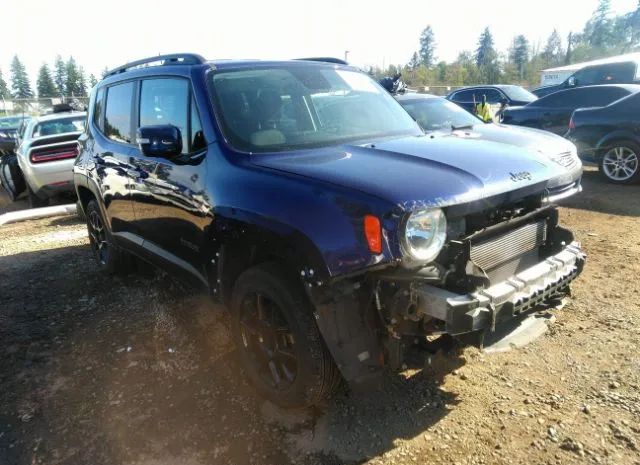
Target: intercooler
(505, 255)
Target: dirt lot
(98, 370)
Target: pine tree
(81, 83)
(20, 85)
(427, 47)
(487, 58)
(60, 75)
(71, 83)
(4, 89)
(92, 81)
(105, 71)
(599, 29)
(519, 54)
(45, 85)
(553, 52)
(415, 61)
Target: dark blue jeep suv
(304, 198)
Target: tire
(111, 259)
(298, 358)
(620, 163)
(11, 176)
(35, 201)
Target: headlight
(424, 234)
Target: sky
(101, 34)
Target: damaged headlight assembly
(424, 235)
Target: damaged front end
(497, 264)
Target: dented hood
(425, 170)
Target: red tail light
(572, 124)
(373, 233)
(46, 154)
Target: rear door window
(463, 96)
(599, 97)
(117, 118)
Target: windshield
(519, 94)
(59, 126)
(437, 113)
(294, 107)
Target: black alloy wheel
(267, 338)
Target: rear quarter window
(117, 118)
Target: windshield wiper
(457, 128)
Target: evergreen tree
(60, 75)
(20, 85)
(81, 83)
(415, 61)
(569, 55)
(71, 83)
(599, 29)
(519, 54)
(45, 85)
(487, 58)
(553, 52)
(105, 71)
(4, 89)
(92, 81)
(427, 47)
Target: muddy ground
(139, 370)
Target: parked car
(610, 137)
(437, 115)
(9, 126)
(622, 72)
(553, 112)
(48, 146)
(496, 96)
(303, 197)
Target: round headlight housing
(425, 233)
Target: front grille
(566, 159)
(506, 248)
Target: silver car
(46, 152)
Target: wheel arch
(616, 136)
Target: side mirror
(164, 141)
(572, 81)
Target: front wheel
(620, 164)
(278, 339)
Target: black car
(610, 137)
(496, 96)
(622, 72)
(553, 112)
(305, 199)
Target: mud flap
(11, 176)
(349, 331)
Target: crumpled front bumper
(482, 309)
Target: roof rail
(337, 61)
(172, 59)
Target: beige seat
(267, 137)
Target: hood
(427, 171)
(538, 140)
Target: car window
(463, 96)
(437, 113)
(166, 101)
(493, 95)
(98, 113)
(59, 126)
(557, 99)
(117, 119)
(614, 73)
(598, 97)
(588, 76)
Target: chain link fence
(39, 106)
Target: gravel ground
(139, 370)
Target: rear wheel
(111, 259)
(278, 340)
(620, 164)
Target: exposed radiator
(492, 253)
